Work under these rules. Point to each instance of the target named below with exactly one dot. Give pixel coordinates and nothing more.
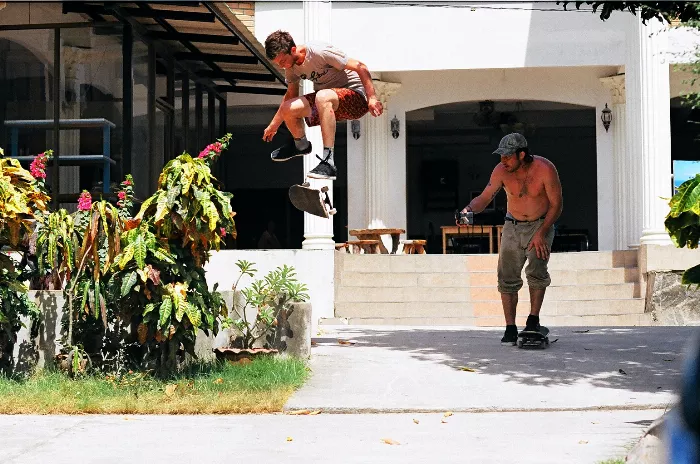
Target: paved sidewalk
(567, 404)
(487, 438)
(401, 369)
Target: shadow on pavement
(638, 359)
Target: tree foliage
(668, 11)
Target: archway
(449, 161)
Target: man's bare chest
(527, 186)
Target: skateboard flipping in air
(535, 338)
(312, 201)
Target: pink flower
(212, 147)
(121, 195)
(38, 166)
(85, 201)
(126, 182)
(223, 232)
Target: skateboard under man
(312, 201)
(534, 338)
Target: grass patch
(259, 387)
(613, 461)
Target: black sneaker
(510, 335)
(324, 170)
(288, 151)
(532, 324)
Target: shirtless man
(343, 90)
(534, 204)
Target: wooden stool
(368, 246)
(342, 247)
(411, 247)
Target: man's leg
(293, 112)
(536, 299)
(326, 105)
(538, 280)
(511, 259)
(510, 303)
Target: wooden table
(375, 234)
(472, 230)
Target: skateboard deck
(534, 338)
(312, 201)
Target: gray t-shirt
(324, 66)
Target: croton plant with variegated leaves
(158, 277)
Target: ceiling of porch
(204, 37)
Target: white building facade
(554, 67)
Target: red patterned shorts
(351, 105)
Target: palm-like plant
(683, 223)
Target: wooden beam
(193, 56)
(246, 76)
(200, 17)
(201, 38)
(253, 90)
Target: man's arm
(277, 119)
(552, 187)
(375, 106)
(479, 203)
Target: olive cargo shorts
(513, 253)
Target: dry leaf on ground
(314, 343)
(415, 421)
(447, 414)
(583, 442)
(289, 438)
(466, 369)
(346, 342)
(299, 412)
(389, 441)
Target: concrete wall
(314, 268)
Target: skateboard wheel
(324, 189)
(520, 343)
(332, 212)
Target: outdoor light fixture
(355, 129)
(395, 127)
(606, 117)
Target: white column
(623, 220)
(376, 136)
(318, 232)
(649, 128)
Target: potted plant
(258, 309)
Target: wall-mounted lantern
(606, 117)
(395, 127)
(355, 129)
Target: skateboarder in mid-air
(534, 203)
(342, 90)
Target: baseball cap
(510, 144)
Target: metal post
(198, 116)
(128, 101)
(56, 116)
(185, 110)
(151, 110)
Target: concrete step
(482, 262)
(624, 320)
(484, 308)
(347, 294)
(374, 278)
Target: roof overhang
(206, 38)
